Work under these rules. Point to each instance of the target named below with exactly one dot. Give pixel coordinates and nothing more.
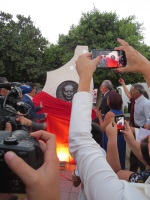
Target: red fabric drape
(58, 118)
(53, 106)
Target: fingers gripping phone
(119, 119)
(110, 58)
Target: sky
(54, 17)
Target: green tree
(26, 56)
(21, 49)
(53, 57)
(100, 30)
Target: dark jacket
(32, 113)
(104, 107)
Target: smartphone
(119, 119)
(110, 58)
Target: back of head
(96, 132)
(115, 100)
(140, 88)
(108, 84)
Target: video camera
(12, 103)
(18, 140)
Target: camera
(18, 140)
(110, 58)
(25, 147)
(10, 104)
(119, 119)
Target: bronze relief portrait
(66, 90)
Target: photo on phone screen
(110, 58)
(119, 119)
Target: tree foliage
(21, 49)
(25, 55)
(100, 30)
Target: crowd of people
(93, 167)
(101, 173)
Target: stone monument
(63, 82)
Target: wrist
(112, 139)
(84, 84)
(100, 118)
(130, 141)
(86, 79)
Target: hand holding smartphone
(119, 119)
(110, 58)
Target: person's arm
(27, 122)
(146, 112)
(32, 112)
(133, 144)
(37, 108)
(112, 148)
(37, 116)
(94, 171)
(43, 183)
(112, 152)
(96, 174)
(107, 119)
(134, 61)
(23, 120)
(125, 88)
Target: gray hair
(139, 88)
(108, 84)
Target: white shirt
(29, 97)
(141, 111)
(148, 92)
(99, 180)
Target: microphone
(25, 89)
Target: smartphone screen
(119, 119)
(110, 58)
